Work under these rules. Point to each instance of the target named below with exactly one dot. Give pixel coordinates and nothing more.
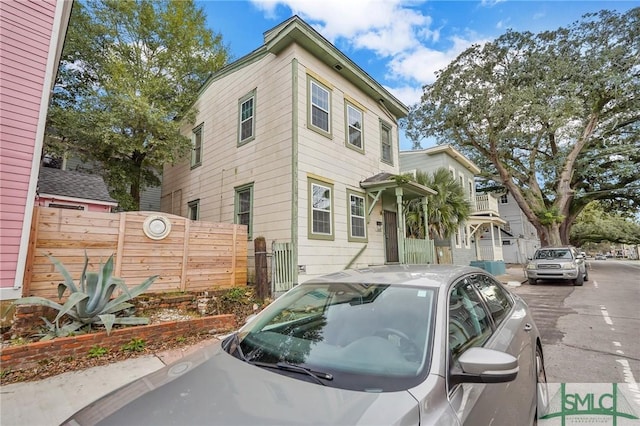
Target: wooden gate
(283, 277)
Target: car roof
(417, 275)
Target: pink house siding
(32, 36)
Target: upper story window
(355, 137)
(247, 118)
(194, 209)
(244, 207)
(320, 210)
(196, 146)
(504, 199)
(470, 190)
(319, 107)
(386, 142)
(357, 217)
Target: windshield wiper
(317, 375)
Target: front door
(391, 237)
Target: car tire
(586, 275)
(579, 281)
(542, 392)
(533, 281)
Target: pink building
(32, 34)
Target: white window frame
(314, 84)
(196, 145)
(313, 233)
(351, 216)
(250, 97)
(386, 128)
(349, 127)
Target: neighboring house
(519, 237)
(466, 245)
(67, 189)
(32, 39)
(297, 142)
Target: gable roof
(67, 183)
(296, 30)
(451, 152)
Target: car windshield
(368, 337)
(553, 254)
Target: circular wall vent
(156, 227)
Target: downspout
(294, 170)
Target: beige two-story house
(299, 144)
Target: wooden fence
(194, 256)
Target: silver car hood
(213, 387)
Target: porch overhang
(478, 222)
(391, 184)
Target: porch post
(400, 224)
(493, 242)
(425, 200)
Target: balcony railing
(485, 203)
(418, 252)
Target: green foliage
(130, 71)
(552, 117)
(235, 294)
(135, 345)
(445, 210)
(595, 225)
(97, 351)
(90, 303)
(550, 216)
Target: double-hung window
(194, 209)
(357, 217)
(247, 118)
(320, 210)
(354, 127)
(196, 146)
(386, 143)
(244, 207)
(319, 107)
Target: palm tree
(445, 211)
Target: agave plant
(90, 302)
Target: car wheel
(542, 392)
(532, 281)
(579, 281)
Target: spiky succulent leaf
(117, 308)
(71, 302)
(104, 299)
(107, 320)
(61, 289)
(136, 291)
(132, 320)
(68, 280)
(93, 290)
(83, 276)
(36, 300)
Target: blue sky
(399, 43)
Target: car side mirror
(481, 365)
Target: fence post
(262, 281)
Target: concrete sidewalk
(51, 401)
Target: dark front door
(391, 237)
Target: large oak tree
(129, 72)
(552, 117)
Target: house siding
(31, 32)
(525, 239)
(344, 167)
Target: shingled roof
(67, 183)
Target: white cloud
(408, 95)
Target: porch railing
(486, 203)
(419, 252)
(490, 253)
